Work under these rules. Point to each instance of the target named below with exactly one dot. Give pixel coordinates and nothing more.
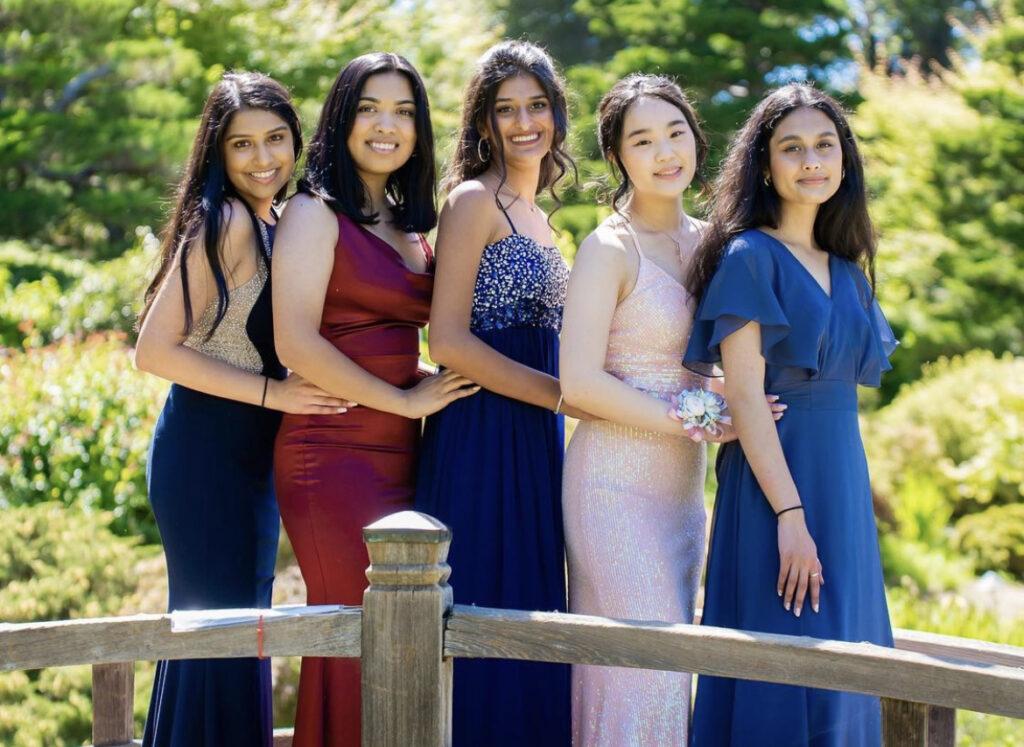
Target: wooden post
(113, 699)
(906, 724)
(406, 681)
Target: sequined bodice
(649, 332)
(230, 341)
(520, 283)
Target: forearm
(483, 365)
(318, 361)
(195, 370)
(758, 435)
(608, 398)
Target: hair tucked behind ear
(742, 200)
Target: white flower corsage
(700, 408)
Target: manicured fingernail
(814, 607)
(783, 407)
(797, 612)
(786, 605)
(342, 409)
(779, 592)
(773, 397)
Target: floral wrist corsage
(703, 409)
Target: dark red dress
(337, 473)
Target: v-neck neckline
(828, 294)
(397, 255)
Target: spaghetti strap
(505, 213)
(632, 235)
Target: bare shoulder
(605, 244)
(307, 220)
(239, 237)
(470, 215)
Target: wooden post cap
(407, 526)
(407, 549)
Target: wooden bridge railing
(408, 631)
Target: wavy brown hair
(498, 64)
(611, 118)
(205, 188)
(742, 200)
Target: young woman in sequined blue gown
(491, 464)
(207, 327)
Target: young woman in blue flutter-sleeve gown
(786, 307)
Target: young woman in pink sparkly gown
(633, 485)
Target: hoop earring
(480, 151)
(767, 180)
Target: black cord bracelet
(791, 508)
(263, 399)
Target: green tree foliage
(76, 428)
(99, 98)
(946, 166)
(728, 54)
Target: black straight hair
(611, 118)
(202, 195)
(473, 152)
(331, 171)
(743, 198)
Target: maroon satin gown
(337, 473)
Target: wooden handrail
(835, 665)
(407, 633)
(149, 638)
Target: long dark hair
(742, 200)
(331, 171)
(499, 63)
(611, 117)
(202, 196)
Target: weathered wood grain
(906, 724)
(406, 681)
(857, 667)
(961, 649)
(113, 698)
(149, 638)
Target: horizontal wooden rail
(149, 638)
(858, 667)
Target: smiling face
(806, 158)
(383, 134)
(526, 124)
(658, 149)
(259, 155)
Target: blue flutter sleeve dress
(817, 348)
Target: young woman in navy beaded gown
(786, 307)
(491, 464)
(206, 326)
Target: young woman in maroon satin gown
(352, 285)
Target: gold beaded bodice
(230, 341)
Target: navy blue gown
(817, 349)
(210, 479)
(491, 469)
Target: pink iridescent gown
(634, 522)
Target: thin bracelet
(791, 508)
(558, 407)
(263, 399)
